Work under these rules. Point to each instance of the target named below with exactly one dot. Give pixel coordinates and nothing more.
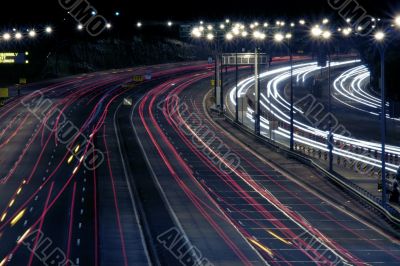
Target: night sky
(49, 11)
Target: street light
(380, 38)
(278, 37)
(32, 33)
(346, 31)
(210, 36)
(18, 36)
(139, 24)
(108, 25)
(302, 22)
(169, 23)
(316, 31)
(80, 27)
(196, 32)
(229, 36)
(397, 21)
(48, 29)
(6, 36)
(326, 35)
(259, 35)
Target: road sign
(13, 58)
(127, 101)
(22, 81)
(138, 78)
(3, 92)
(244, 59)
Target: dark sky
(15, 12)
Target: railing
(368, 198)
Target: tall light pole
(286, 40)
(258, 36)
(325, 35)
(380, 38)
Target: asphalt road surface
(97, 170)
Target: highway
(61, 201)
(195, 161)
(98, 170)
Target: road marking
(267, 250)
(17, 217)
(278, 237)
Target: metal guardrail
(376, 203)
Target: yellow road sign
(138, 78)
(3, 92)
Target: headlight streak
(355, 92)
(301, 72)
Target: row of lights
(169, 24)
(239, 30)
(80, 27)
(18, 35)
(222, 26)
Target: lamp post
(286, 41)
(258, 36)
(380, 37)
(325, 35)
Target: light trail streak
(276, 109)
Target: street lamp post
(380, 37)
(280, 38)
(257, 93)
(383, 125)
(258, 36)
(236, 90)
(326, 35)
(330, 136)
